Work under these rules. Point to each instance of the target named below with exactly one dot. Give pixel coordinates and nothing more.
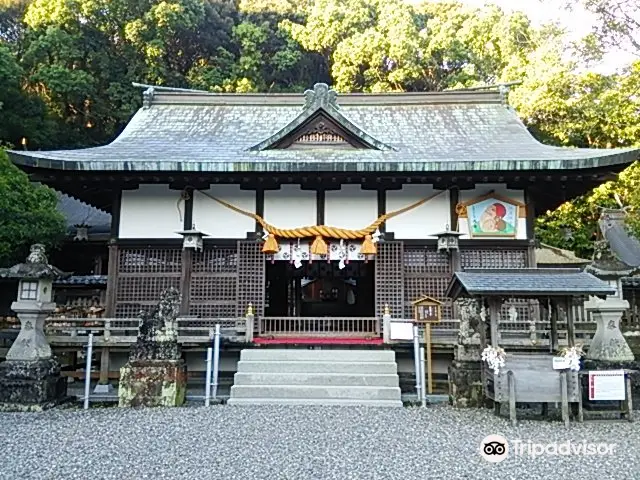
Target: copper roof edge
(179, 96)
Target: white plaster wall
(150, 212)
(499, 189)
(350, 207)
(421, 222)
(219, 221)
(290, 207)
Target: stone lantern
(192, 239)
(617, 255)
(30, 377)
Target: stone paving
(224, 442)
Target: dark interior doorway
(320, 289)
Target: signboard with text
(427, 310)
(607, 385)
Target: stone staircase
(316, 377)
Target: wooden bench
(530, 378)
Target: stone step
(382, 368)
(269, 354)
(320, 393)
(311, 401)
(317, 379)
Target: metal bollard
(416, 360)
(87, 377)
(423, 380)
(207, 392)
(216, 360)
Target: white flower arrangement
(495, 358)
(573, 356)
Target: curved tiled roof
(189, 131)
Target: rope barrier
(321, 231)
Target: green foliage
(586, 110)
(66, 68)
(618, 22)
(28, 214)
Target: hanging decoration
(369, 235)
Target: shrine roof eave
(526, 283)
(320, 161)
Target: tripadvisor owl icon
(494, 448)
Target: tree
(23, 115)
(28, 214)
(618, 22)
(586, 110)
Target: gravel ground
(297, 443)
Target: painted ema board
(606, 385)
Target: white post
(423, 380)
(207, 391)
(416, 360)
(87, 378)
(216, 360)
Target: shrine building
(317, 211)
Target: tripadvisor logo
(495, 448)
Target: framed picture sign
(492, 215)
(427, 310)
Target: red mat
(317, 341)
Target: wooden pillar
(571, 329)
(104, 366)
(320, 206)
(112, 266)
(494, 316)
(185, 280)
(187, 255)
(112, 280)
(531, 249)
(483, 325)
(454, 198)
(259, 206)
(553, 337)
(382, 207)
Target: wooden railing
(125, 330)
(320, 326)
(70, 331)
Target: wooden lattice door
(251, 278)
(389, 282)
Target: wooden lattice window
(214, 278)
(251, 278)
(142, 276)
(389, 281)
(494, 258)
(426, 273)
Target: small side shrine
(522, 377)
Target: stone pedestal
(156, 375)
(608, 344)
(465, 377)
(465, 385)
(153, 383)
(30, 378)
(609, 349)
(31, 385)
